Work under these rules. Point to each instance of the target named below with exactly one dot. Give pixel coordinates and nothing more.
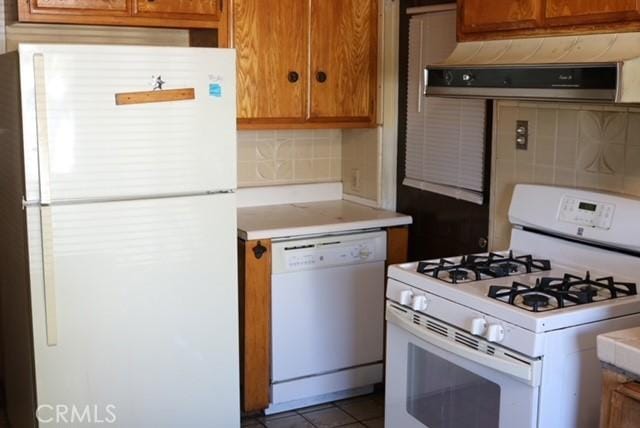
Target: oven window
(443, 395)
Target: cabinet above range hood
(595, 68)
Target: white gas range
(508, 339)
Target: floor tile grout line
(306, 419)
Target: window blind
(445, 136)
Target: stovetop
(527, 290)
(544, 294)
(549, 293)
(478, 267)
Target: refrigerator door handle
(46, 225)
(42, 128)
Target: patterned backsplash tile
(289, 157)
(573, 145)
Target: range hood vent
(594, 68)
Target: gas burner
(505, 269)
(458, 275)
(497, 266)
(479, 267)
(448, 271)
(554, 293)
(535, 300)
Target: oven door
(442, 377)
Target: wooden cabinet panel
(272, 44)
(500, 19)
(567, 12)
(102, 7)
(498, 15)
(343, 59)
(190, 14)
(397, 245)
(625, 406)
(254, 278)
(184, 8)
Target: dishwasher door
(328, 312)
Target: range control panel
(586, 213)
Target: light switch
(522, 135)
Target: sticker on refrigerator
(215, 90)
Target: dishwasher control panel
(334, 250)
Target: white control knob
(405, 297)
(419, 303)
(364, 253)
(495, 333)
(478, 326)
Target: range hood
(594, 68)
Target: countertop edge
(619, 352)
(323, 228)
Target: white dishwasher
(327, 318)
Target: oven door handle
(518, 368)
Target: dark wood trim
(397, 245)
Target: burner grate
(554, 293)
(479, 267)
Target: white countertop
(312, 218)
(621, 349)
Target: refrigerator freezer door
(80, 145)
(145, 313)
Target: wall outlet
(355, 179)
(522, 135)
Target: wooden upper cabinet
(208, 14)
(306, 63)
(185, 8)
(99, 7)
(343, 60)
(500, 19)
(271, 42)
(568, 12)
(498, 15)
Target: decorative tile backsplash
(289, 157)
(587, 146)
(361, 163)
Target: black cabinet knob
(321, 76)
(293, 76)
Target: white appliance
(119, 267)
(591, 68)
(327, 336)
(509, 339)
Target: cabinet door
(567, 12)
(625, 406)
(271, 40)
(343, 60)
(94, 7)
(478, 16)
(196, 9)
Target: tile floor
(364, 411)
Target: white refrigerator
(118, 252)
